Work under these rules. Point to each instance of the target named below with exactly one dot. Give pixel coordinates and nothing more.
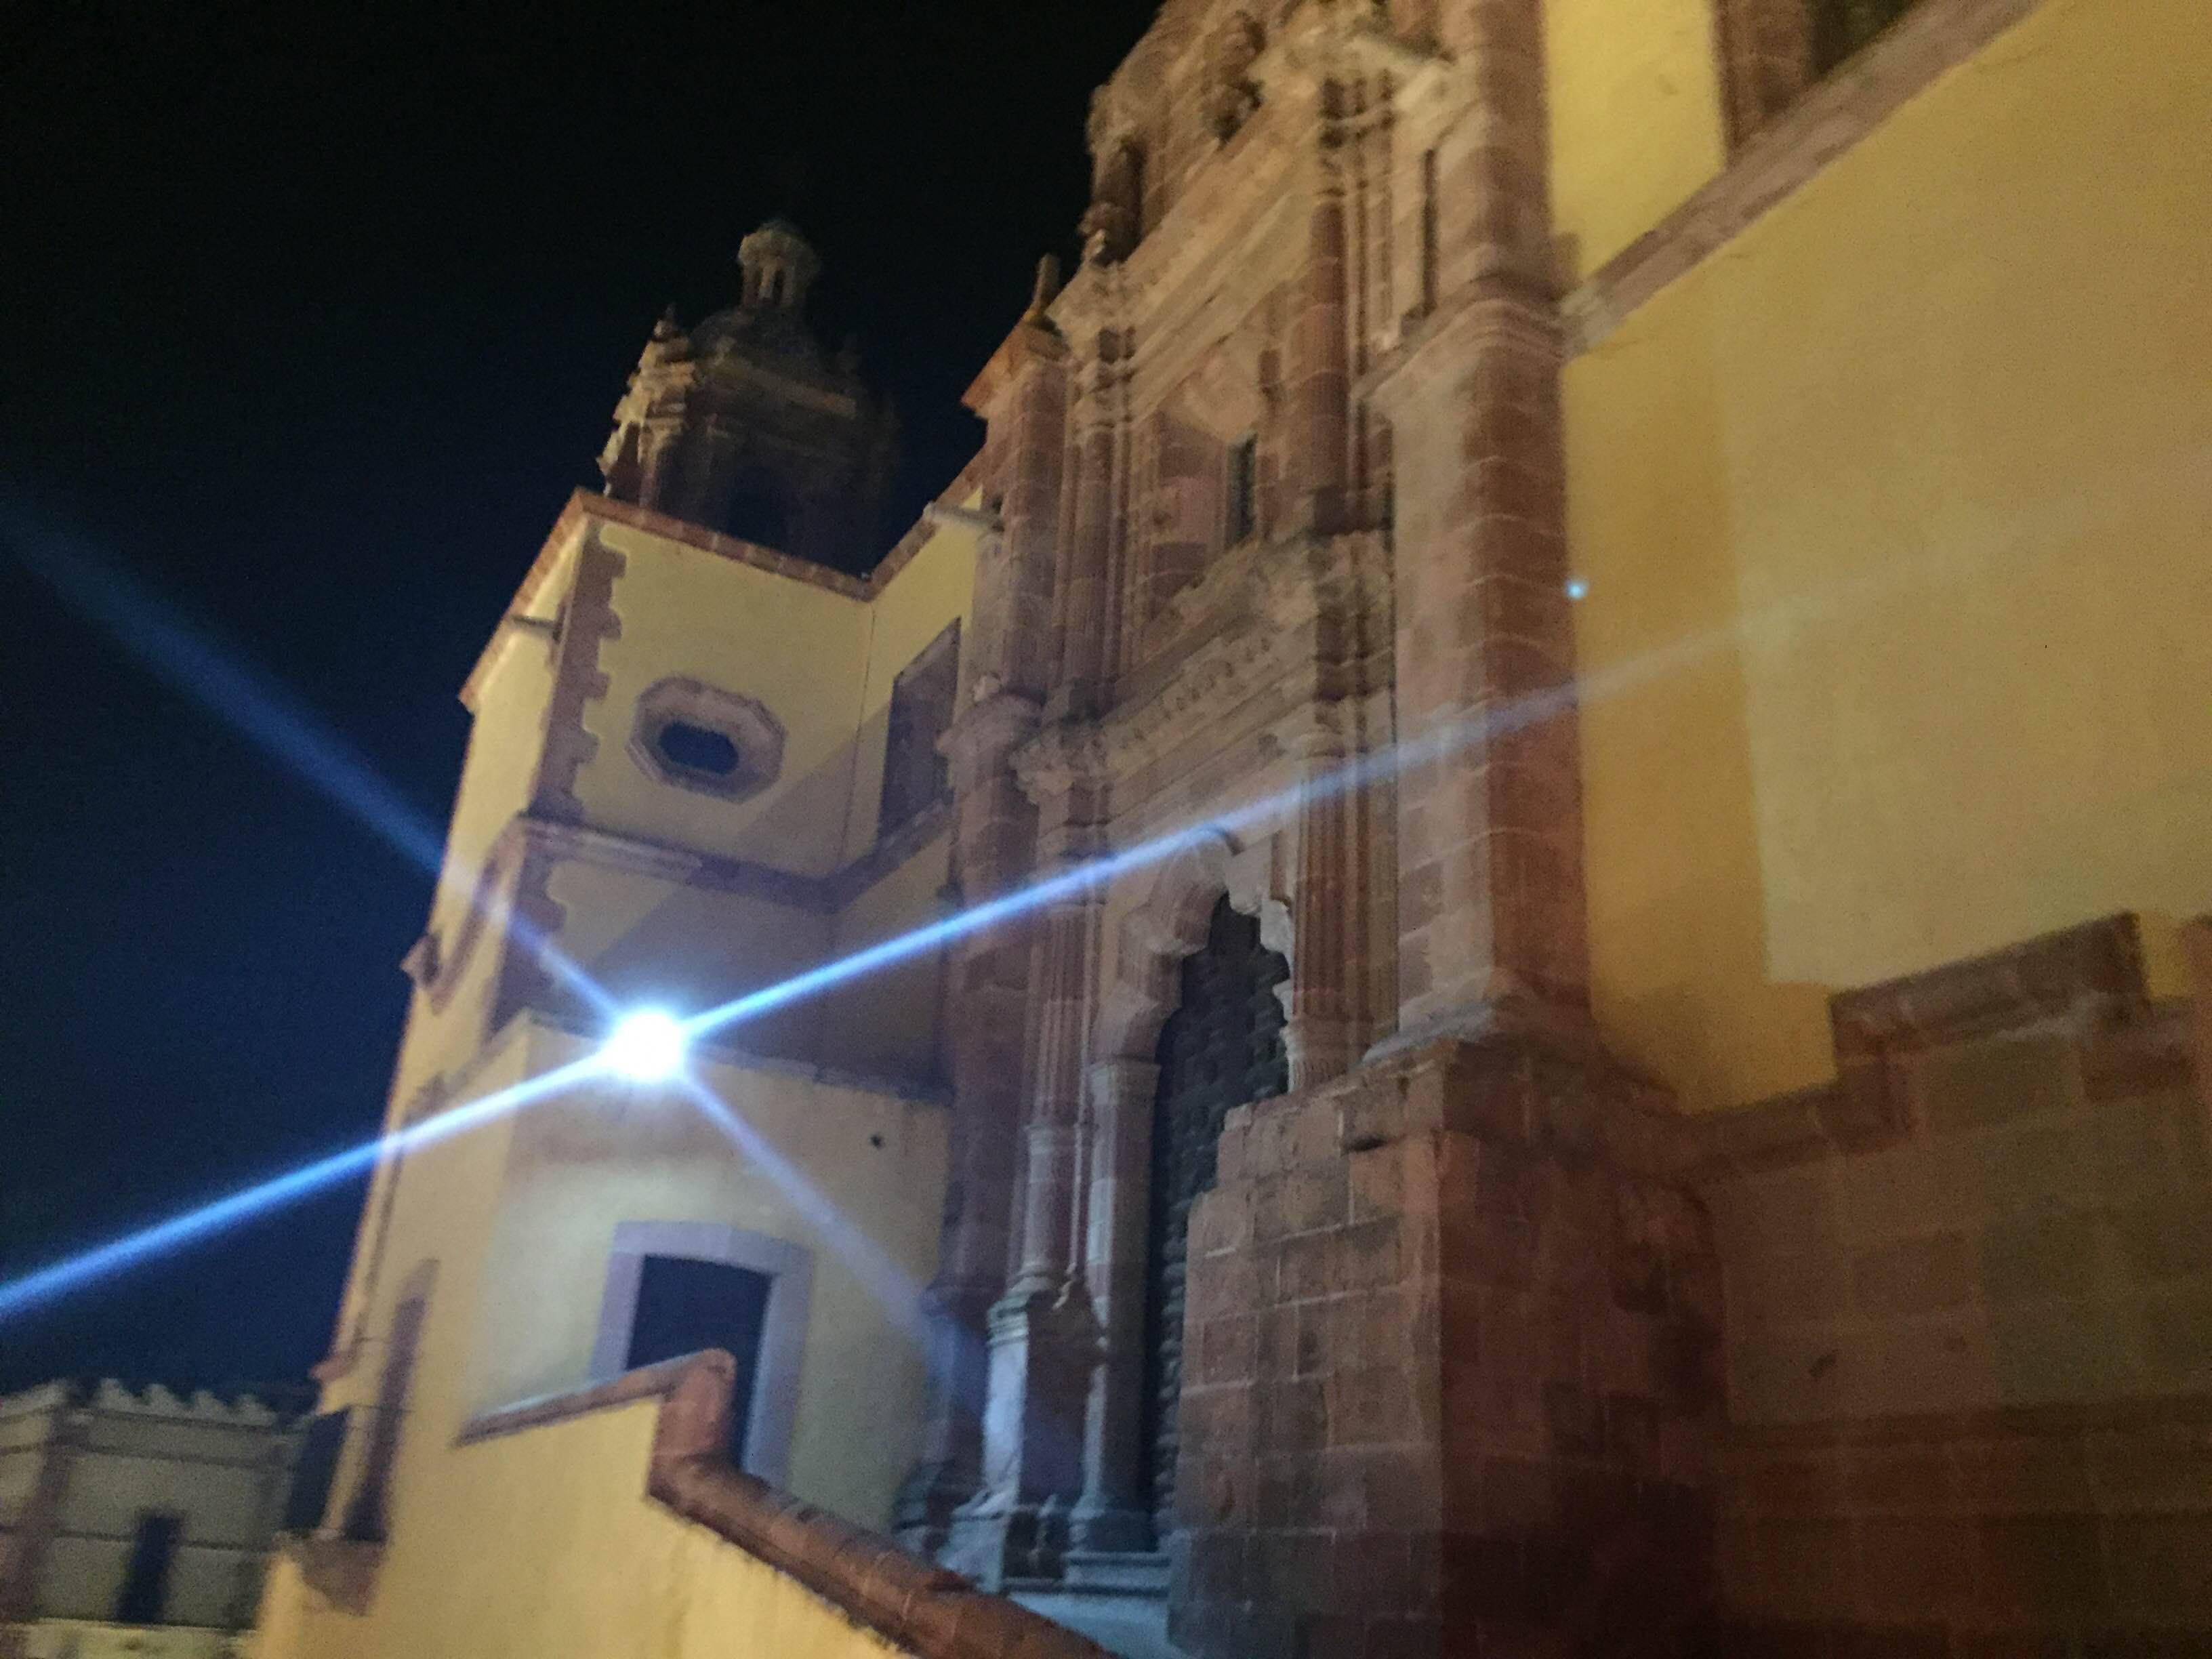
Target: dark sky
(310, 318)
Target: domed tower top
(780, 267)
(742, 425)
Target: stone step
(1132, 1625)
(1124, 1573)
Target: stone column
(1491, 904)
(1320, 365)
(993, 848)
(985, 1006)
(1113, 1516)
(1087, 567)
(1060, 1014)
(1323, 1032)
(1043, 1339)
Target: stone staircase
(1118, 1601)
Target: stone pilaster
(993, 849)
(1085, 624)
(1323, 1033)
(1491, 917)
(1043, 1336)
(1059, 1014)
(23, 1555)
(1321, 364)
(1113, 1515)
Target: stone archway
(1170, 925)
(1167, 927)
(1223, 1047)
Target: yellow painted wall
(565, 1558)
(1635, 105)
(544, 1544)
(936, 588)
(887, 1022)
(801, 650)
(1895, 515)
(854, 1177)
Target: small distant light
(1578, 588)
(647, 1047)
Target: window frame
(935, 669)
(789, 1270)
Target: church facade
(1490, 944)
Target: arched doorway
(1222, 1048)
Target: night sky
(310, 318)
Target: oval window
(697, 749)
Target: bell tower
(745, 425)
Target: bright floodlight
(647, 1047)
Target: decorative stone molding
(1232, 96)
(1169, 925)
(567, 745)
(2094, 972)
(2099, 963)
(1251, 617)
(755, 733)
(822, 896)
(922, 1609)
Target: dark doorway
(685, 1306)
(145, 1597)
(1222, 1048)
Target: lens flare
(647, 1047)
(21, 1296)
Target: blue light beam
(251, 704)
(33, 1290)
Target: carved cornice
(822, 896)
(1487, 313)
(1253, 620)
(585, 508)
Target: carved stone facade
(1255, 619)
(1275, 612)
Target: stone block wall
(1969, 1336)
(1487, 1351)
(1453, 1380)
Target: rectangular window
(1242, 491)
(915, 776)
(686, 1306)
(145, 1597)
(314, 1472)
